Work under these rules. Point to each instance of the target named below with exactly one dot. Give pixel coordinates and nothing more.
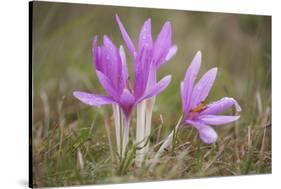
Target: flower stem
(148, 118)
(140, 141)
(125, 133)
(165, 145)
(116, 115)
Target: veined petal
(203, 87)
(126, 37)
(162, 44)
(217, 119)
(127, 101)
(220, 106)
(206, 133)
(124, 63)
(96, 55)
(188, 82)
(107, 85)
(127, 98)
(92, 99)
(172, 51)
(158, 88)
(112, 63)
(111, 57)
(141, 72)
(145, 37)
(183, 98)
(151, 80)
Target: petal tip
(75, 93)
(208, 135)
(117, 17)
(168, 78)
(148, 21)
(168, 24)
(215, 69)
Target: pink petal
(127, 39)
(126, 98)
(92, 99)
(158, 88)
(107, 85)
(206, 133)
(124, 63)
(127, 102)
(142, 72)
(203, 87)
(145, 37)
(217, 119)
(162, 44)
(189, 79)
(96, 53)
(111, 62)
(151, 76)
(172, 51)
(220, 106)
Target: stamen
(201, 106)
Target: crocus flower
(196, 113)
(150, 56)
(112, 73)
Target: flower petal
(127, 102)
(127, 39)
(158, 88)
(217, 119)
(124, 63)
(127, 98)
(92, 99)
(220, 106)
(203, 87)
(188, 82)
(141, 72)
(107, 85)
(172, 51)
(206, 133)
(162, 44)
(97, 53)
(111, 60)
(151, 80)
(145, 37)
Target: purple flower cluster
(148, 55)
(112, 71)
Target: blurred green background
(239, 45)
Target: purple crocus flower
(149, 55)
(196, 113)
(111, 70)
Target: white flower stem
(165, 145)
(116, 115)
(125, 132)
(122, 124)
(148, 118)
(140, 141)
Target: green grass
(74, 144)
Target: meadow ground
(74, 144)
